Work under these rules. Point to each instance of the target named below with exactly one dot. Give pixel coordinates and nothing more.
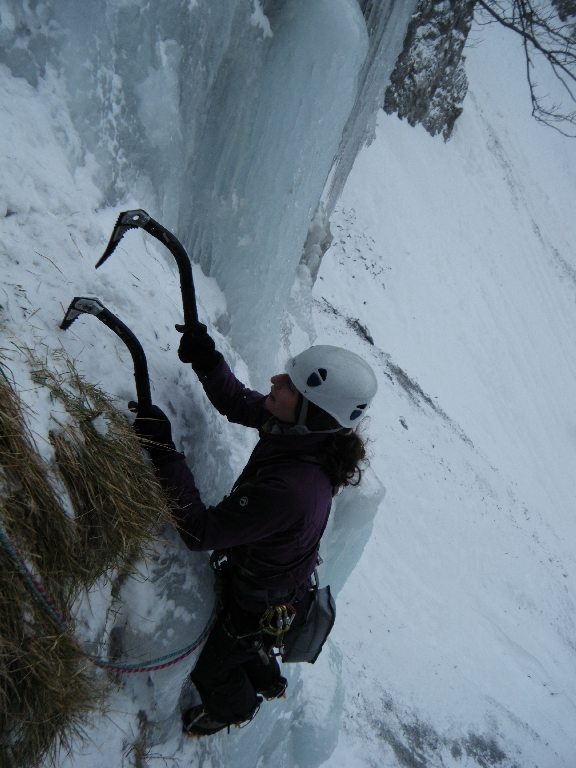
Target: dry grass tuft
(46, 693)
(116, 509)
(29, 502)
(118, 504)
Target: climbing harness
(44, 599)
(276, 619)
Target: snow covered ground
(459, 261)
(453, 270)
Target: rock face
(428, 84)
(565, 8)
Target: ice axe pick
(92, 306)
(139, 218)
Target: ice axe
(92, 306)
(139, 218)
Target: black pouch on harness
(309, 637)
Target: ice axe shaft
(139, 218)
(92, 306)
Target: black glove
(197, 347)
(153, 429)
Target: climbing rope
(42, 597)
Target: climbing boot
(197, 722)
(276, 691)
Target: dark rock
(428, 84)
(565, 8)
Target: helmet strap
(303, 412)
(300, 427)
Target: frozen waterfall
(225, 120)
(235, 123)
(256, 177)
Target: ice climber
(266, 533)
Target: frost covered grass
(28, 500)
(97, 508)
(46, 693)
(118, 505)
(44, 690)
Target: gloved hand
(198, 347)
(153, 429)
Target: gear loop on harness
(276, 620)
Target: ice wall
(262, 163)
(386, 23)
(224, 119)
(139, 77)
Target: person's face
(283, 398)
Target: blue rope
(42, 597)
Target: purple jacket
(274, 518)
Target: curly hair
(343, 458)
(343, 454)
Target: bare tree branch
(544, 30)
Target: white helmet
(336, 380)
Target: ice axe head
(126, 220)
(80, 305)
(139, 218)
(93, 306)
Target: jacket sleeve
(232, 399)
(241, 518)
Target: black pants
(230, 671)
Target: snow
(470, 565)
(453, 564)
(259, 19)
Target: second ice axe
(93, 306)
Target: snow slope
(453, 271)
(459, 261)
